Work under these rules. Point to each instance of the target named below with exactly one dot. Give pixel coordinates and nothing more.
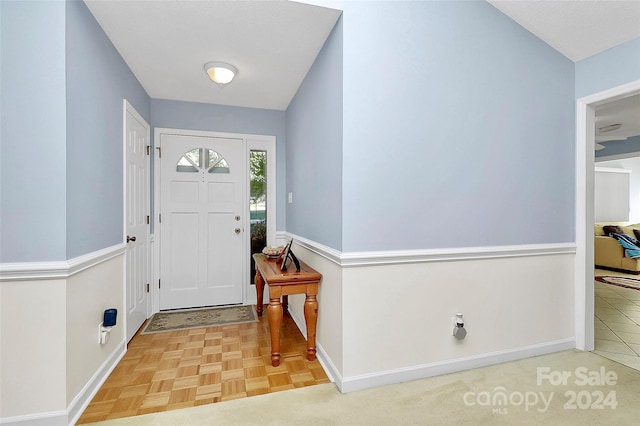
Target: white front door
(202, 254)
(137, 203)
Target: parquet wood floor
(178, 369)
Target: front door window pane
(193, 161)
(257, 203)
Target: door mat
(198, 318)
(625, 282)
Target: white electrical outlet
(458, 329)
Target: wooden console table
(282, 284)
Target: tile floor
(617, 322)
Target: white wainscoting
(385, 317)
(33, 341)
(89, 390)
(58, 365)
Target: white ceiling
(167, 42)
(576, 28)
(274, 43)
(624, 111)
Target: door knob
(130, 238)
(237, 230)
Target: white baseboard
(52, 418)
(300, 322)
(86, 394)
(328, 366)
(323, 358)
(366, 381)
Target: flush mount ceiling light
(220, 72)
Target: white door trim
(268, 144)
(585, 167)
(263, 142)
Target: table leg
(259, 292)
(274, 314)
(311, 319)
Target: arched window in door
(202, 159)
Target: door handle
(237, 230)
(130, 238)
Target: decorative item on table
(287, 254)
(272, 252)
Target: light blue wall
(97, 82)
(219, 118)
(471, 144)
(314, 149)
(611, 68)
(62, 88)
(32, 141)
(458, 129)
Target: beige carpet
(465, 398)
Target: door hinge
(148, 149)
(148, 219)
(148, 287)
(158, 282)
(159, 152)
(160, 218)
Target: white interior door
(137, 203)
(612, 194)
(203, 192)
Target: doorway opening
(214, 206)
(585, 166)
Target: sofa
(608, 252)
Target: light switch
(290, 197)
